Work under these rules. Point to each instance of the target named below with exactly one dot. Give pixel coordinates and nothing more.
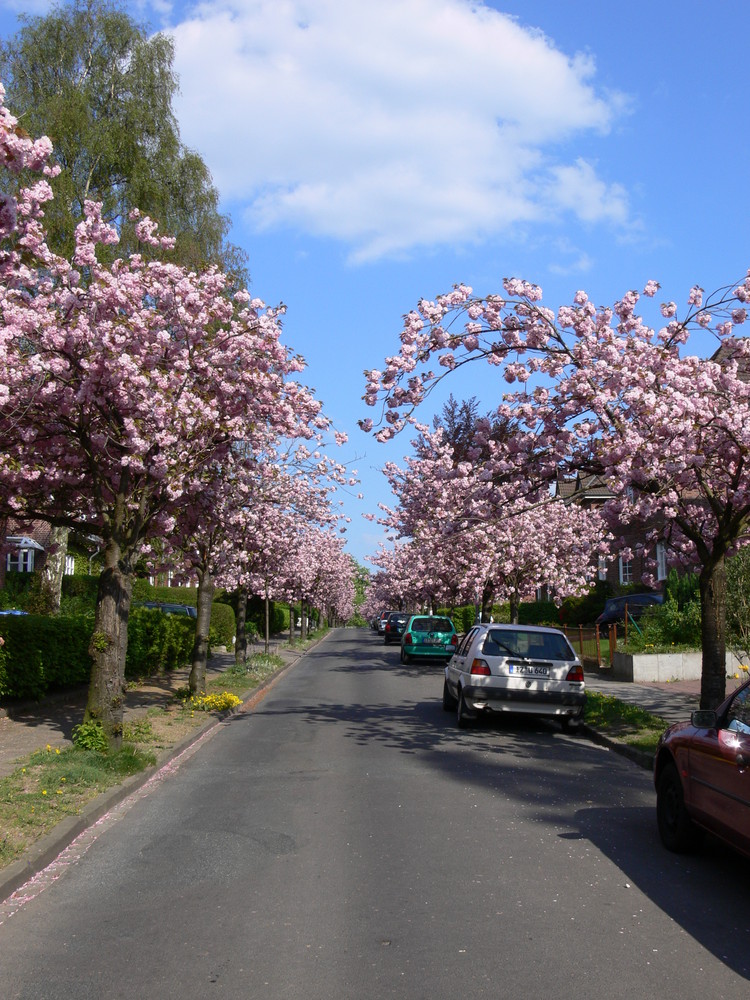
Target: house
(591, 491)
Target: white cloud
(389, 125)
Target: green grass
(55, 783)
(623, 721)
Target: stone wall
(662, 667)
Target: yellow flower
(44, 791)
(49, 747)
(59, 791)
(57, 750)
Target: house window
(661, 561)
(602, 568)
(626, 570)
(70, 566)
(22, 561)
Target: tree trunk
(268, 620)
(291, 623)
(54, 566)
(713, 591)
(514, 607)
(109, 645)
(240, 642)
(3, 553)
(487, 595)
(303, 620)
(205, 596)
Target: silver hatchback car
(524, 669)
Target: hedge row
(43, 654)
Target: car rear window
(431, 625)
(532, 645)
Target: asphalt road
(345, 840)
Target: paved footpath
(33, 725)
(672, 700)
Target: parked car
(13, 611)
(702, 777)
(172, 609)
(525, 669)
(636, 604)
(382, 619)
(395, 625)
(428, 637)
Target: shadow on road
(706, 893)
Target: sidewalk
(673, 700)
(31, 726)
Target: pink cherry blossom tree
(601, 391)
(124, 389)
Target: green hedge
(223, 625)
(44, 654)
(278, 616)
(158, 642)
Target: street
(344, 839)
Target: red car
(702, 777)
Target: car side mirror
(704, 718)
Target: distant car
(395, 624)
(522, 669)
(382, 619)
(428, 637)
(13, 611)
(636, 604)
(702, 777)
(172, 609)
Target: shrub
(538, 613)
(278, 615)
(667, 625)
(585, 609)
(90, 736)
(684, 589)
(223, 625)
(44, 654)
(157, 642)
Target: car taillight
(480, 667)
(388, 628)
(575, 674)
(408, 639)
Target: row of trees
(600, 392)
(471, 536)
(152, 404)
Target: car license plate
(528, 670)
(433, 642)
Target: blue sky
(371, 152)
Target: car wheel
(676, 829)
(449, 702)
(462, 714)
(570, 724)
(405, 658)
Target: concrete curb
(44, 851)
(639, 757)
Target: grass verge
(623, 721)
(54, 783)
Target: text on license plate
(528, 670)
(432, 642)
